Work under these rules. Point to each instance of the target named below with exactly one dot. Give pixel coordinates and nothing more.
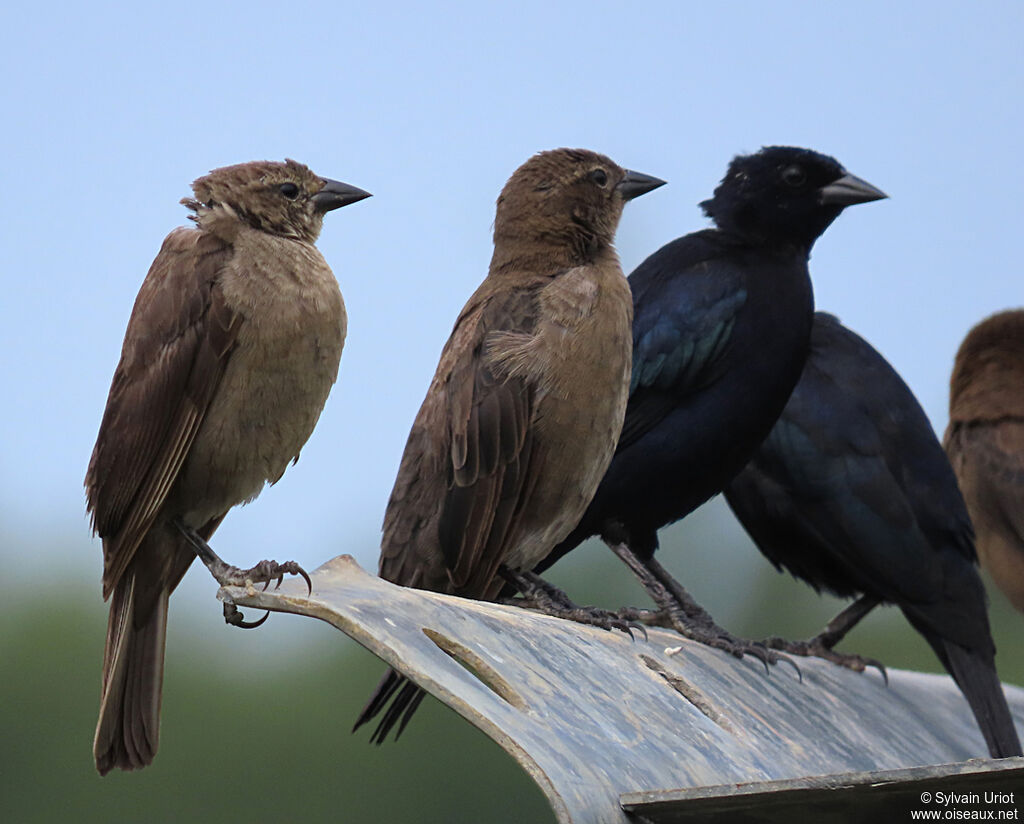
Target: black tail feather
(976, 676)
(399, 696)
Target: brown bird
(985, 443)
(231, 350)
(524, 411)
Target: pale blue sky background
(110, 110)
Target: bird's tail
(976, 676)
(398, 698)
(128, 730)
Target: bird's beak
(848, 190)
(635, 184)
(336, 194)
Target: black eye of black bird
(289, 190)
(794, 176)
(599, 176)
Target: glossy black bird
(852, 493)
(722, 319)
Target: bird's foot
(706, 631)
(234, 617)
(590, 615)
(818, 647)
(540, 596)
(226, 574)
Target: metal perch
(664, 728)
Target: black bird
(722, 319)
(852, 493)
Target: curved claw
(760, 654)
(871, 662)
(234, 617)
(793, 664)
(306, 578)
(628, 626)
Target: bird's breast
(583, 344)
(278, 376)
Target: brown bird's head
(567, 198)
(988, 374)
(285, 199)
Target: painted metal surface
(591, 715)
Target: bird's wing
(179, 338)
(997, 450)
(682, 329)
(468, 466)
(865, 481)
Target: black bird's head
(785, 195)
(285, 199)
(567, 197)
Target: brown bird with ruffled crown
(231, 350)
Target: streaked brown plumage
(524, 411)
(985, 443)
(231, 349)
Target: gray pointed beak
(635, 184)
(850, 189)
(336, 194)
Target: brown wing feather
(997, 449)
(488, 482)
(178, 340)
(466, 465)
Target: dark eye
(289, 190)
(599, 176)
(794, 176)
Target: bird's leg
(227, 575)
(821, 645)
(836, 629)
(540, 596)
(678, 610)
(533, 587)
(682, 597)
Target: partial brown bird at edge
(985, 443)
(230, 352)
(526, 406)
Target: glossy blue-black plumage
(716, 353)
(722, 319)
(853, 493)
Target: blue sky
(113, 110)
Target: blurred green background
(256, 724)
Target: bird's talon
(234, 617)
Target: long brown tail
(128, 730)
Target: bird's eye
(289, 190)
(599, 176)
(794, 176)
